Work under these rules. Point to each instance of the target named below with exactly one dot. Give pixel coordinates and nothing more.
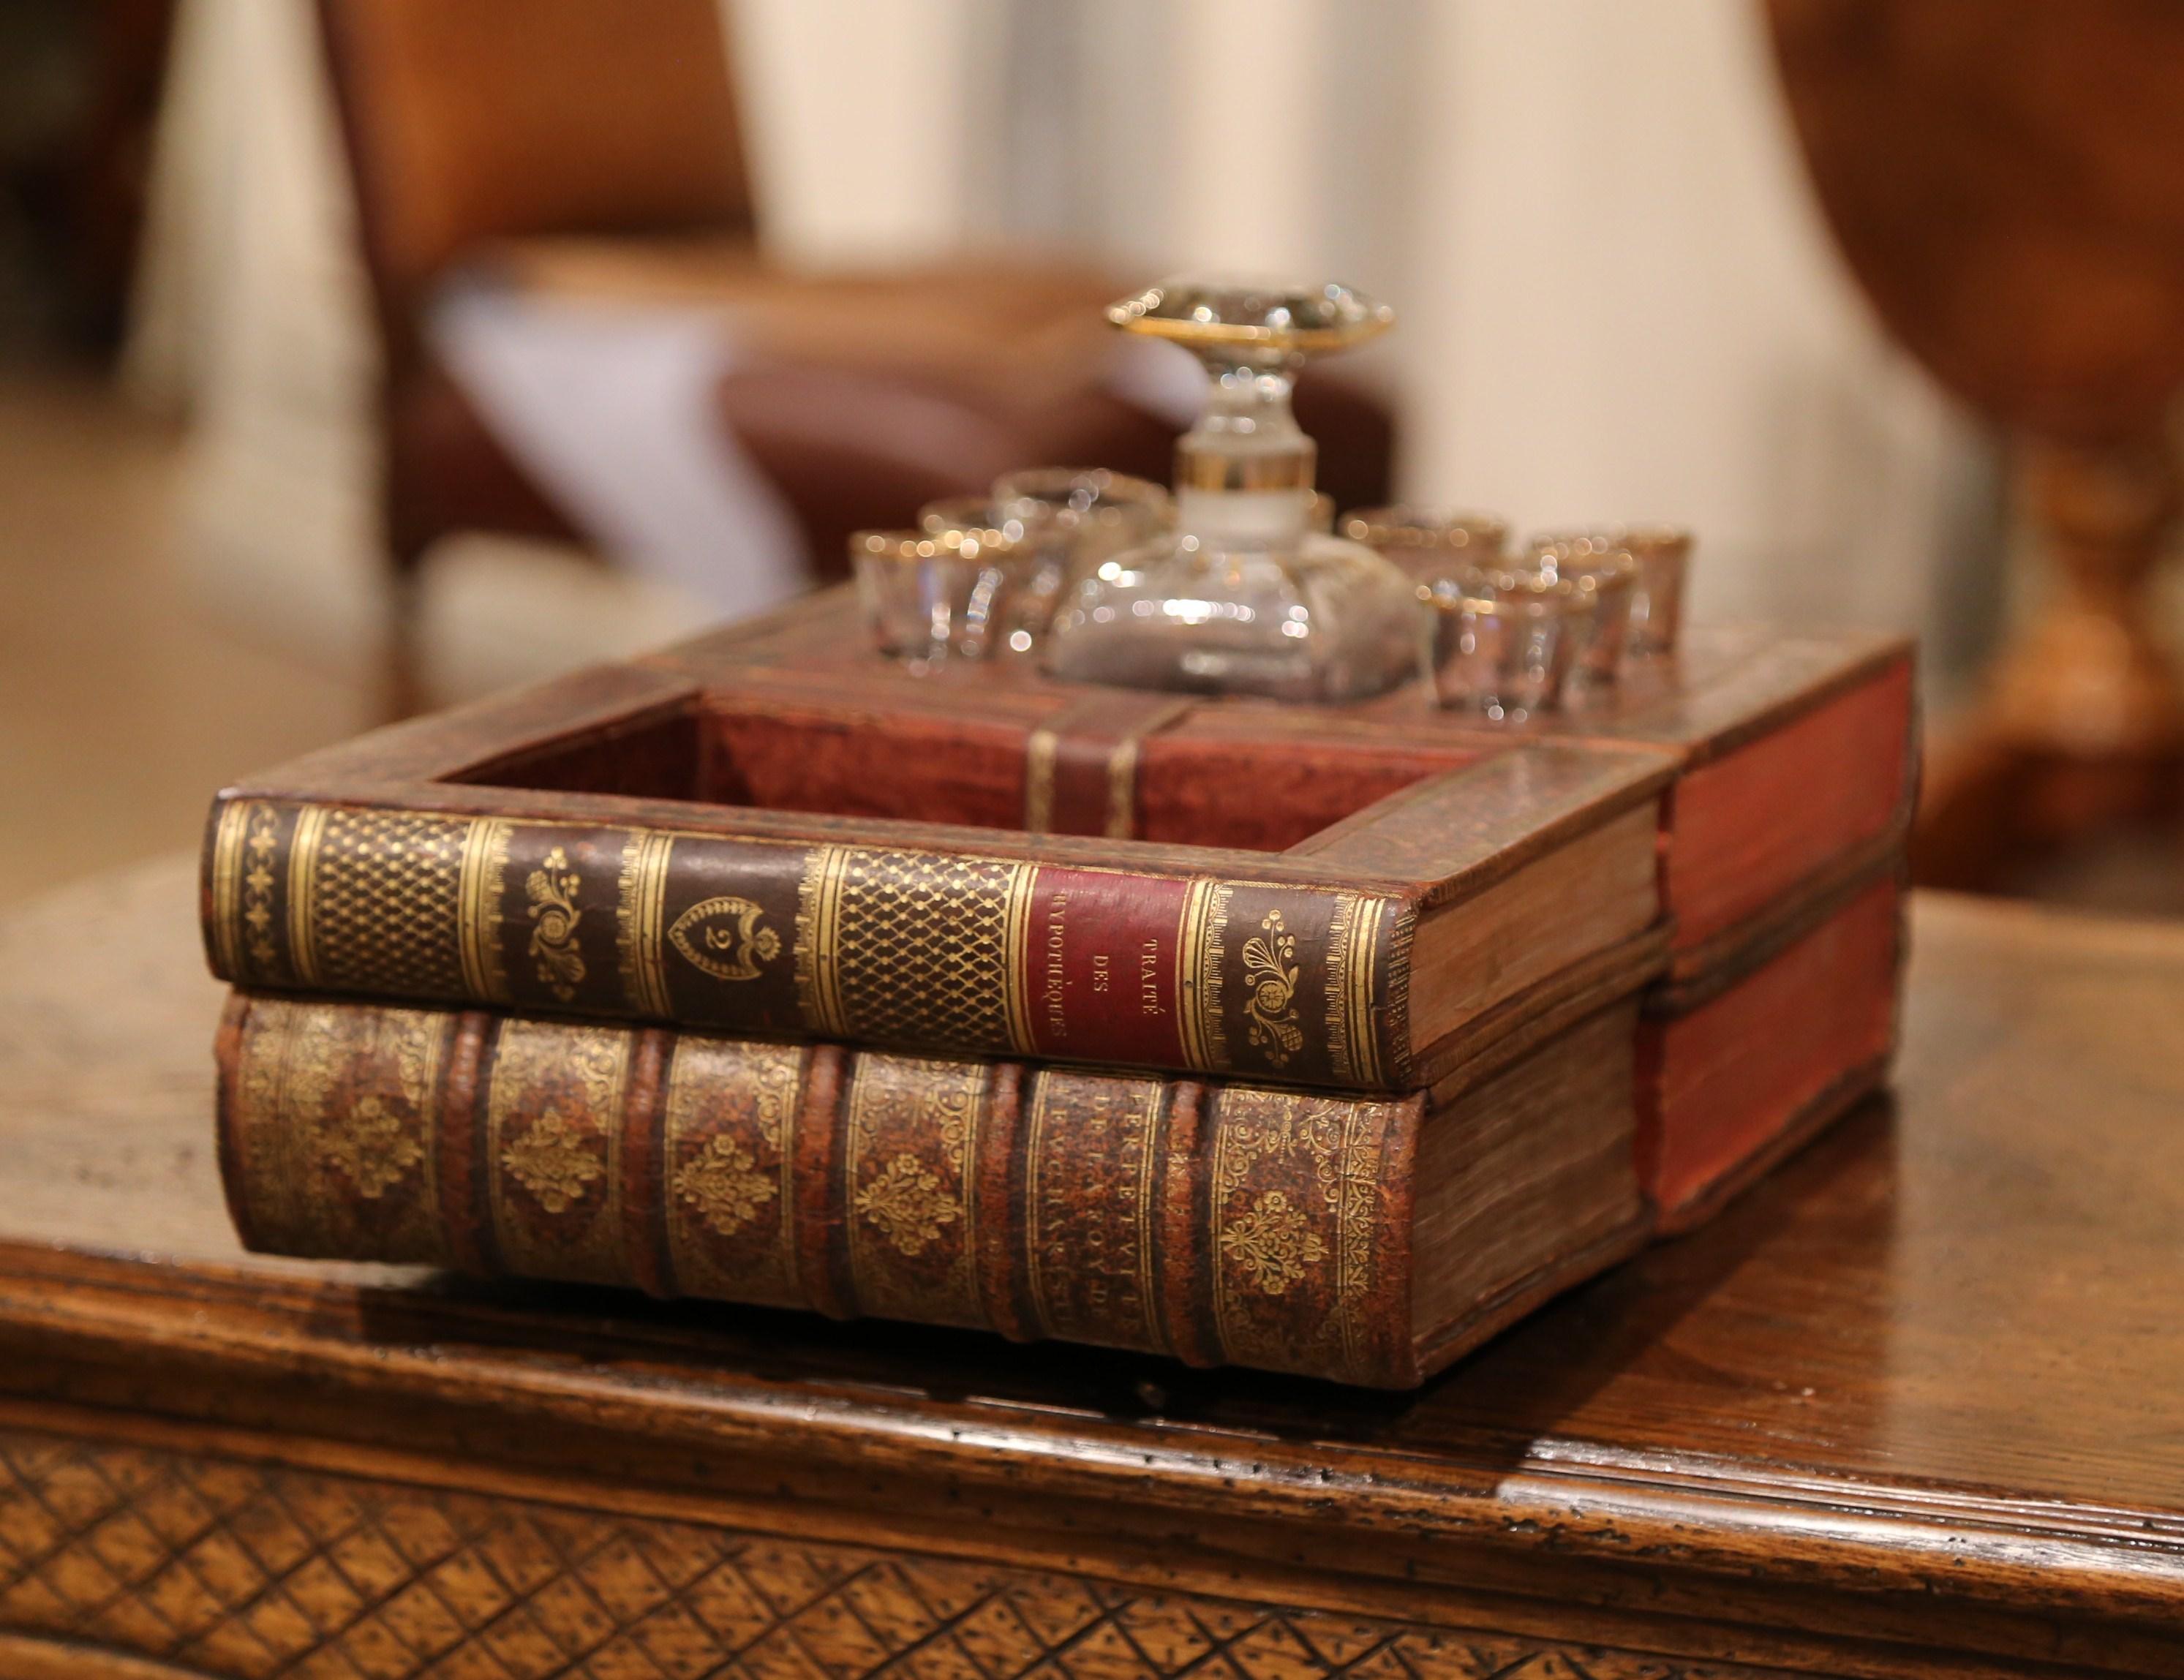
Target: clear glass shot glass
(1096, 515)
(1429, 544)
(1015, 566)
(1506, 639)
(1596, 563)
(1662, 555)
(929, 597)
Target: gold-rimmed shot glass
(1429, 544)
(928, 597)
(1663, 556)
(1594, 563)
(1010, 602)
(1097, 514)
(1506, 638)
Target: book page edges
(1525, 1184)
(1599, 889)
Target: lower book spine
(1221, 1223)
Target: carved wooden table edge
(648, 1586)
(1536, 1546)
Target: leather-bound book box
(769, 837)
(1780, 849)
(1370, 1238)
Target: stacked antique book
(1322, 1039)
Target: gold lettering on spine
(1087, 1210)
(818, 933)
(477, 925)
(640, 921)
(302, 892)
(1198, 976)
(1147, 1118)
(1038, 780)
(1054, 989)
(227, 870)
(553, 1115)
(910, 1187)
(1353, 955)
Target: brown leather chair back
(472, 119)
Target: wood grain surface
(1910, 1407)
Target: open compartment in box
(1795, 750)
(1182, 783)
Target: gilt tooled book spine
(925, 950)
(1219, 1223)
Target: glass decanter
(1246, 597)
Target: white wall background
(1625, 306)
(1619, 301)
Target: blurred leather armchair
(503, 118)
(594, 143)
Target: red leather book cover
(1739, 1067)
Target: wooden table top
(1927, 1383)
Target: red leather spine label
(1101, 967)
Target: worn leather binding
(769, 831)
(1744, 1058)
(1081, 766)
(1363, 1239)
(1298, 969)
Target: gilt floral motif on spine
(926, 951)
